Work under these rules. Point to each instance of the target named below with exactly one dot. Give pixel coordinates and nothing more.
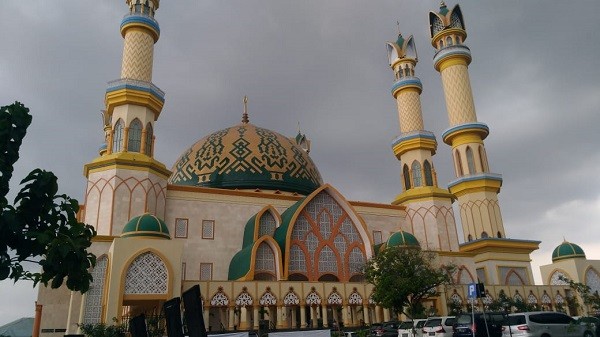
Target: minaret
(125, 180)
(428, 206)
(475, 187)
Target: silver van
(544, 324)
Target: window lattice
(416, 173)
(291, 299)
(149, 136)
(559, 299)
(134, 141)
(244, 300)
(437, 25)
(267, 224)
(118, 136)
(297, 259)
(93, 300)
(592, 280)
(206, 271)
(334, 298)
(340, 244)
(371, 300)
(208, 229)
(350, 232)
(356, 260)
(555, 280)
(327, 260)
(355, 298)
(456, 298)
(268, 299)
(546, 298)
(531, 299)
(324, 201)
(312, 242)
(265, 258)
(518, 298)
(455, 20)
(313, 298)
(147, 274)
(488, 299)
(324, 225)
(301, 227)
(181, 228)
(219, 299)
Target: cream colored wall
(129, 112)
(432, 222)
(115, 196)
(480, 211)
(138, 55)
(573, 269)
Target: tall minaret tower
(126, 180)
(428, 206)
(475, 187)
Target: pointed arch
(483, 159)
(470, 160)
(428, 173)
(134, 138)
(464, 276)
(556, 278)
(436, 24)
(416, 173)
(149, 139)
(456, 18)
(147, 274)
(406, 177)
(592, 279)
(392, 52)
(118, 130)
(458, 163)
(268, 219)
(411, 50)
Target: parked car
(412, 328)
(479, 324)
(438, 326)
(544, 324)
(387, 329)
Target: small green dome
(400, 41)
(567, 250)
(146, 225)
(402, 239)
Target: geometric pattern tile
(93, 299)
(138, 53)
(459, 97)
(147, 274)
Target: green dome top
(146, 225)
(402, 239)
(245, 156)
(567, 250)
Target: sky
(322, 65)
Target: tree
(404, 277)
(41, 226)
(590, 298)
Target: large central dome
(245, 156)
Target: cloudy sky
(322, 64)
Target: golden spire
(245, 119)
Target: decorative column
(256, 318)
(280, 316)
(377, 314)
(302, 316)
(386, 314)
(324, 309)
(243, 318)
(231, 319)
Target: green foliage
(589, 298)
(103, 329)
(404, 277)
(41, 226)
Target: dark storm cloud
(323, 64)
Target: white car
(439, 326)
(412, 328)
(544, 324)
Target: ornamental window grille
(546, 298)
(265, 258)
(312, 242)
(219, 299)
(559, 299)
(291, 299)
(355, 298)
(134, 141)
(428, 173)
(327, 261)
(93, 299)
(470, 160)
(436, 25)
(147, 274)
(455, 21)
(244, 299)
(313, 298)
(592, 280)
(206, 270)
(208, 229)
(181, 228)
(487, 299)
(301, 227)
(416, 174)
(518, 297)
(340, 244)
(118, 136)
(531, 299)
(334, 298)
(557, 279)
(297, 259)
(267, 224)
(455, 298)
(325, 225)
(356, 260)
(371, 300)
(268, 299)
(149, 136)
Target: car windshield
(463, 319)
(420, 324)
(516, 320)
(406, 325)
(433, 322)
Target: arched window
(449, 41)
(134, 141)
(470, 237)
(459, 170)
(428, 174)
(484, 235)
(416, 173)
(499, 234)
(149, 135)
(118, 136)
(470, 160)
(483, 158)
(406, 176)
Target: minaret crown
(144, 7)
(447, 23)
(402, 56)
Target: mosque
(245, 214)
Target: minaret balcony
(130, 91)
(407, 82)
(140, 19)
(458, 52)
(478, 182)
(415, 140)
(465, 133)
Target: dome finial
(245, 118)
(398, 26)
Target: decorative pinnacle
(442, 4)
(398, 25)
(245, 118)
